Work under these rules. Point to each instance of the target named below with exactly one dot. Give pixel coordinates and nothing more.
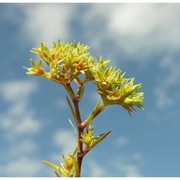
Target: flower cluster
(67, 61)
(66, 169)
(90, 141)
(115, 89)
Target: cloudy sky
(143, 40)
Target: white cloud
(19, 118)
(66, 140)
(25, 146)
(140, 30)
(19, 125)
(126, 166)
(95, 169)
(17, 90)
(28, 125)
(46, 22)
(22, 166)
(166, 91)
(129, 170)
(162, 98)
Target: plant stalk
(80, 131)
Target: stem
(80, 125)
(75, 100)
(70, 91)
(80, 130)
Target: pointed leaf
(55, 167)
(72, 126)
(33, 64)
(75, 166)
(100, 138)
(81, 93)
(97, 140)
(75, 151)
(71, 108)
(92, 115)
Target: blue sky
(143, 40)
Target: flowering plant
(72, 63)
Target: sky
(142, 40)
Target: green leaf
(35, 51)
(72, 126)
(75, 166)
(55, 167)
(33, 64)
(92, 115)
(99, 138)
(81, 93)
(71, 108)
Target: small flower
(36, 69)
(115, 89)
(66, 168)
(88, 136)
(66, 61)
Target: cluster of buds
(115, 89)
(69, 168)
(90, 141)
(67, 61)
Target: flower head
(65, 61)
(71, 61)
(115, 89)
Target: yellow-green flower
(66, 61)
(36, 69)
(88, 136)
(115, 89)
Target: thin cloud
(18, 119)
(65, 139)
(139, 30)
(126, 167)
(95, 169)
(166, 91)
(129, 170)
(45, 22)
(162, 98)
(18, 125)
(25, 146)
(17, 90)
(121, 141)
(22, 166)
